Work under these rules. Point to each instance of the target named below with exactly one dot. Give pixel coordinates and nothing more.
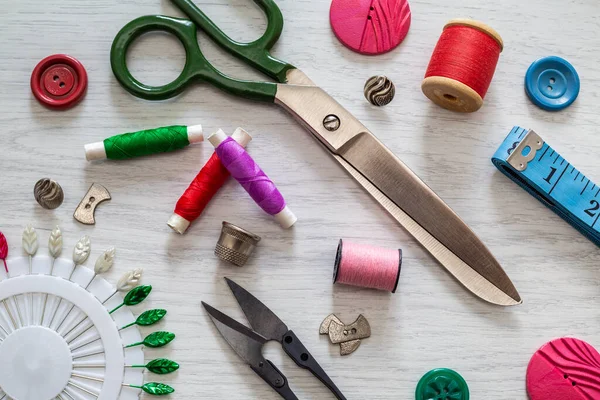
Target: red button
(59, 81)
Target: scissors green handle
(197, 67)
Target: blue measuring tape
(526, 159)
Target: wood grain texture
(431, 321)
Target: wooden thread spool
(462, 65)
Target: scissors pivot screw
(347, 336)
(331, 123)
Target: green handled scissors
(406, 197)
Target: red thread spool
(202, 189)
(367, 266)
(462, 65)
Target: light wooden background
(432, 321)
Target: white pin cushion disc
(35, 354)
(37, 362)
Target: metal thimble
(379, 90)
(48, 193)
(235, 244)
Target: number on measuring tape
(526, 159)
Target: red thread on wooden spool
(462, 65)
(203, 188)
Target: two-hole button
(552, 83)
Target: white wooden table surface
(431, 321)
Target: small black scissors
(248, 344)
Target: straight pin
(89, 355)
(67, 393)
(159, 366)
(103, 264)
(86, 329)
(16, 301)
(9, 314)
(82, 389)
(153, 388)
(89, 365)
(134, 297)
(30, 245)
(4, 330)
(154, 340)
(127, 282)
(81, 252)
(91, 378)
(85, 344)
(55, 245)
(147, 318)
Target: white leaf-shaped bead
(105, 261)
(130, 280)
(30, 240)
(82, 249)
(55, 242)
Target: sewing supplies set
(387, 179)
(69, 334)
(455, 80)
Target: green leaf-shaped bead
(159, 339)
(150, 317)
(137, 295)
(162, 366)
(158, 389)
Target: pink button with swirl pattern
(564, 369)
(370, 26)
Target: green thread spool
(144, 143)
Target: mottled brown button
(48, 193)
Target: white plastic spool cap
(217, 138)
(95, 151)
(286, 218)
(195, 134)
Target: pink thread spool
(367, 266)
(252, 178)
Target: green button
(442, 384)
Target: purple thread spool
(252, 178)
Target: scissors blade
(469, 277)
(260, 317)
(390, 181)
(245, 342)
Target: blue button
(552, 83)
